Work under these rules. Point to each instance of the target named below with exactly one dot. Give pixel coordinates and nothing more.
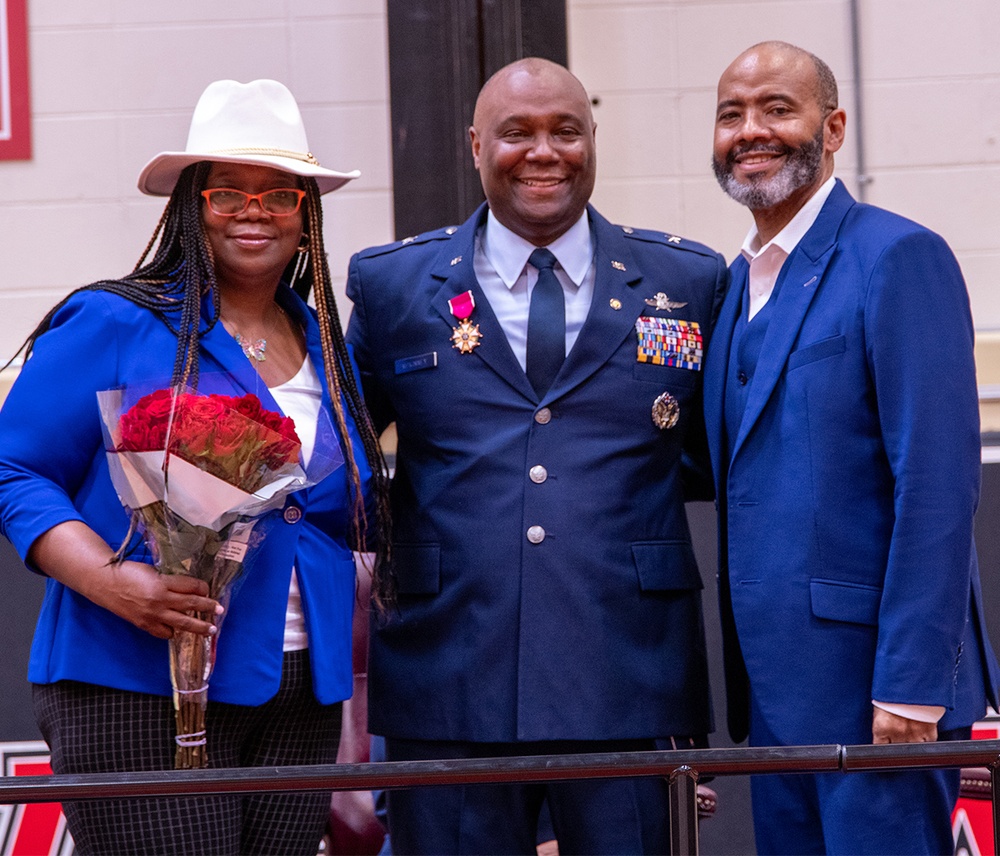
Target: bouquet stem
(191, 657)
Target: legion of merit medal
(666, 411)
(466, 335)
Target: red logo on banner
(36, 829)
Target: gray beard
(802, 167)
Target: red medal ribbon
(462, 306)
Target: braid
(179, 274)
(343, 387)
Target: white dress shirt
(766, 260)
(503, 272)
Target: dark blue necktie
(546, 324)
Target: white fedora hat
(256, 123)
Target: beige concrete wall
(114, 82)
(930, 79)
(931, 91)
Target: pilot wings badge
(661, 301)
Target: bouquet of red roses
(198, 471)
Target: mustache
(755, 149)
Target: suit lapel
(456, 271)
(799, 281)
(717, 362)
(235, 374)
(616, 275)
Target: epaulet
(414, 240)
(669, 239)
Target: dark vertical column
(440, 54)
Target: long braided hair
(171, 285)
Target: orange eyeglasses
(229, 202)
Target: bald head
(524, 74)
(532, 140)
(797, 61)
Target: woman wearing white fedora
(219, 304)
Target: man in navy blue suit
(843, 419)
(549, 599)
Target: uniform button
(293, 514)
(536, 534)
(543, 416)
(742, 378)
(538, 474)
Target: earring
(301, 261)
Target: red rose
(249, 405)
(144, 425)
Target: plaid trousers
(93, 729)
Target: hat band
(307, 157)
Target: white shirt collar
(788, 238)
(508, 252)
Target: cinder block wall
(115, 82)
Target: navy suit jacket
(596, 632)
(847, 566)
(53, 469)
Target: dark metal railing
(681, 768)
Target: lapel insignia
(661, 301)
(456, 260)
(666, 411)
(451, 230)
(628, 230)
(617, 265)
(672, 239)
(616, 304)
(409, 240)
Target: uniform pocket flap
(418, 568)
(843, 601)
(666, 566)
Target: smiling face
(252, 247)
(533, 144)
(775, 131)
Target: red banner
(15, 104)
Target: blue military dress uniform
(548, 586)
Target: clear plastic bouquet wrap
(198, 472)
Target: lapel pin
(456, 260)
(805, 284)
(617, 265)
(616, 304)
(451, 230)
(628, 230)
(409, 240)
(672, 239)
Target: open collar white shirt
(766, 260)
(506, 278)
